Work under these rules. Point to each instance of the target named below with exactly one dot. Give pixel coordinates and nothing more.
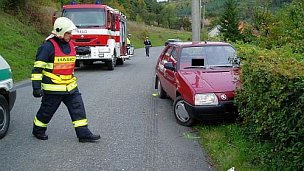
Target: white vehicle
(7, 96)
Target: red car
(201, 78)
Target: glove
(38, 93)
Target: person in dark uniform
(53, 79)
(147, 44)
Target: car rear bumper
(222, 111)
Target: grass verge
(18, 45)
(228, 147)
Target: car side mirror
(169, 65)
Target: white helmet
(63, 25)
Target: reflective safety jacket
(54, 67)
(128, 41)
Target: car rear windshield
(86, 17)
(219, 55)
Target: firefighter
(129, 45)
(128, 40)
(53, 80)
(147, 44)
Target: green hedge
(271, 104)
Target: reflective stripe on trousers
(51, 102)
(39, 123)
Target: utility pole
(196, 20)
(204, 11)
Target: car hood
(211, 80)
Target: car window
(167, 54)
(219, 55)
(189, 53)
(174, 53)
(215, 55)
(169, 50)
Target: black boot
(39, 133)
(40, 136)
(89, 138)
(85, 135)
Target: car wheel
(181, 114)
(161, 92)
(4, 116)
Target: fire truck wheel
(77, 64)
(87, 62)
(120, 61)
(110, 64)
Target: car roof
(173, 40)
(188, 44)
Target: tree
(168, 16)
(229, 22)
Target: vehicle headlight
(205, 99)
(104, 50)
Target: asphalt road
(138, 131)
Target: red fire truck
(101, 33)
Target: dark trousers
(147, 50)
(50, 104)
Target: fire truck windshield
(84, 18)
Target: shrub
(271, 102)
